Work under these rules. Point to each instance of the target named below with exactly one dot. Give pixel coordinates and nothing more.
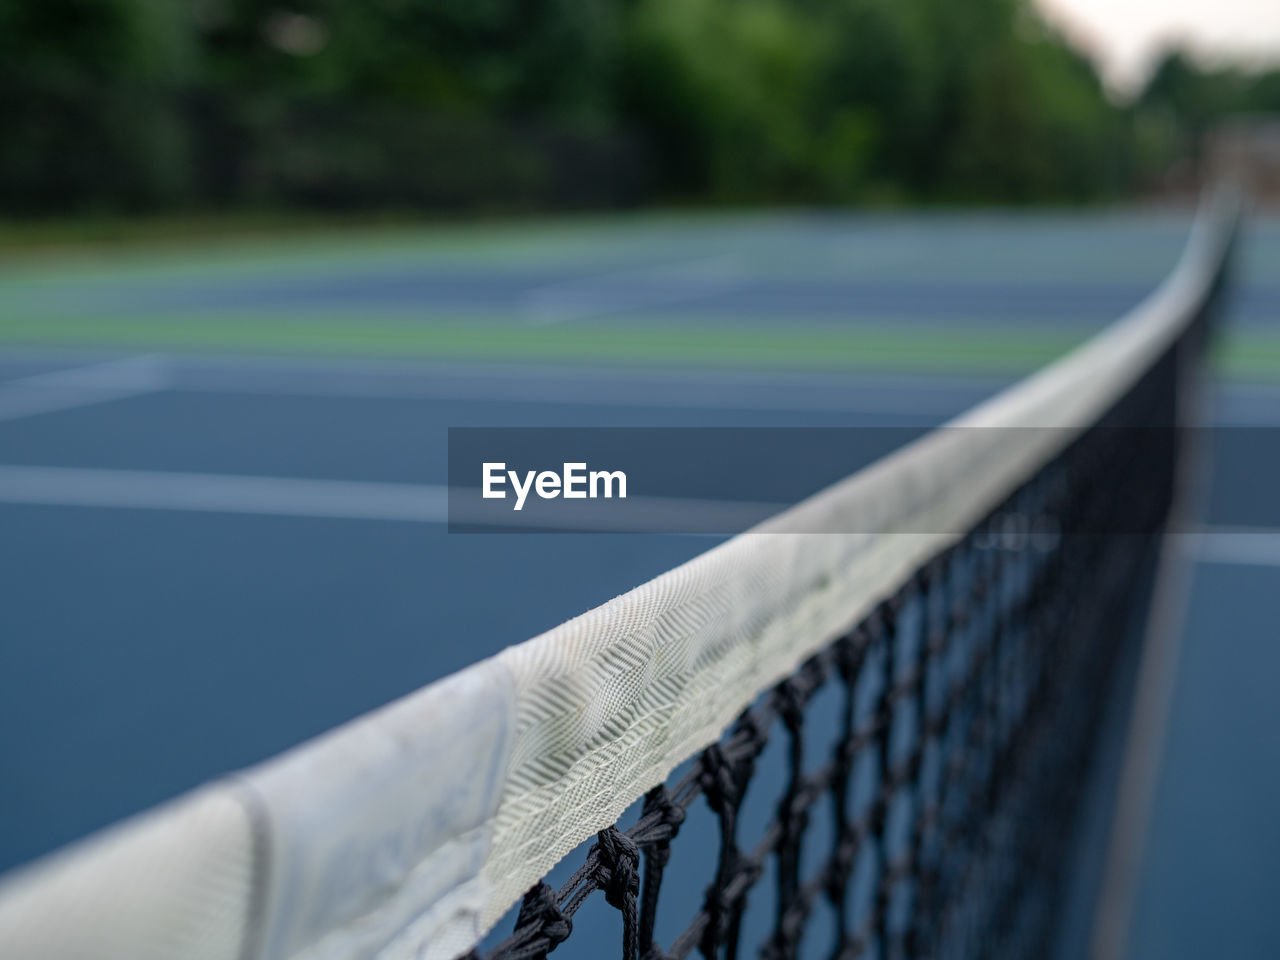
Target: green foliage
(718, 83)
(129, 104)
(841, 100)
(485, 56)
(72, 134)
(1192, 98)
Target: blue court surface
(221, 471)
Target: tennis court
(181, 612)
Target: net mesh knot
(618, 872)
(540, 911)
(660, 822)
(719, 779)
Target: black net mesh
(969, 704)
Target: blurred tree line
(133, 105)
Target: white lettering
(548, 484)
(494, 477)
(609, 477)
(575, 481)
(521, 492)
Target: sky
(1125, 36)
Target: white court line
(929, 396)
(218, 493)
(1241, 546)
(265, 365)
(649, 286)
(351, 500)
(655, 395)
(429, 503)
(904, 395)
(82, 386)
(1145, 737)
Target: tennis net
(968, 704)
(970, 673)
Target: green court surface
(955, 292)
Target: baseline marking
(83, 386)
(1239, 546)
(340, 499)
(626, 290)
